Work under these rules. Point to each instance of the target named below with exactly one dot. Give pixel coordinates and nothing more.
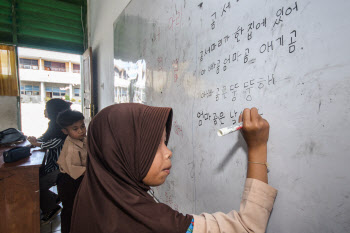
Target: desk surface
(35, 159)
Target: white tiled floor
(55, 224)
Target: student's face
(161, 165)
(76, 130)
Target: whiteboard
(209, 60)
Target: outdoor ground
(33, 121)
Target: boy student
(72, 162)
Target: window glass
(56, 89)
(58, 66)
(76, 68)
(28, 64)
(47, 65)
(28, 87)
(55, 66)
(77, 92)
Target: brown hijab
(122, 142)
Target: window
(36, 90)
(76, 68)
(77, 92)
(28, 64)
(30, 90)
(55, 91)
(47, 65)
(55, 66)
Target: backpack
(16, 153)
(11, 135)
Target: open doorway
(45, 75)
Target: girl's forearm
(257, 157)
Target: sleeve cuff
(205, 223)
(260, 193)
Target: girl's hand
(255, 129)
(256, 133)
(33, 141)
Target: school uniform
(256, 205)
(72, 164)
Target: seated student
(72, 162)
(128, 153)
(52, 141)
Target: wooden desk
(19, 193)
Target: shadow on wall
(229, 156)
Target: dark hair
(55, 106)
(69, 117)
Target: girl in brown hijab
(127, 152)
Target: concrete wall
(101, 16)
(8, 113)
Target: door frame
(88, 92)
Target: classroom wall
(101, 16)
(9, 112)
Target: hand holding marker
(230, 129)
(256, 134)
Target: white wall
(102, 14)
(304, 95)
(8, 113)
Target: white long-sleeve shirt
(256, 205)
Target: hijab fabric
(53, 108)
(122, 143)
